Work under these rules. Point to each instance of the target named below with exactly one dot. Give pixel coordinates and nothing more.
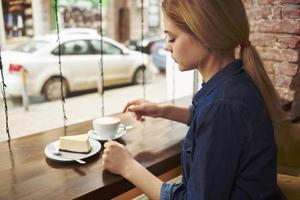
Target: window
(108, 48)
(81, 64)
(78, 47)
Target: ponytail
(254, 67)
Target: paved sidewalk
(48, 115)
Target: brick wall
(275, 31)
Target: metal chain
(59, 63)
(101, 59)
(142, 50)
(4, 98)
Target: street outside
(43, 115)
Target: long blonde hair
(222, 25)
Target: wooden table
(25, 172)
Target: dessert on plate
(75, 143)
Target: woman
(229, 151)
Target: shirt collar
(229, 70)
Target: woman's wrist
(139, 176)
(164, 111)
(130, 168)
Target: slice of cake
(75, 143)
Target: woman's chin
(183, 68)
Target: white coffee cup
(106, 126)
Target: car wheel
(138, 76)
(52, 89)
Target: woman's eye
(171, 40)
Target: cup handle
(125, 128)
(122, 127)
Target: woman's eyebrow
(168, 32)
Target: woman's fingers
(109, 146)
(115, 157)
(139, 108)
(126, 107)
(138, 111)
(110, 143)
(136, 108)
(132, 103)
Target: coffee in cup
(106, 126)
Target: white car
(69, 31)
(80, 61)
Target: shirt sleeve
(219, 138)
(191, 110)
(167, 190)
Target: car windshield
(31, 46)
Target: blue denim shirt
(229, 151)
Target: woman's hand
(142, 108)
(116, 158)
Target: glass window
(80, 64)
(77, 47)
(108, 48)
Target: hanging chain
(101, 59)
(142, 50)
(59, 63)
(4, 98)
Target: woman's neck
(213, 65)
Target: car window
(31, 46)
(108, 48)
(76, 47)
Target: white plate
(96, 147)
(94, 135)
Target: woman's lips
(174, 59)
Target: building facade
(18, 19)
(27, 18)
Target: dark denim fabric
(229, 151)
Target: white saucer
(96, 147)
(94, 135)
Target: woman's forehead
(169, 26)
